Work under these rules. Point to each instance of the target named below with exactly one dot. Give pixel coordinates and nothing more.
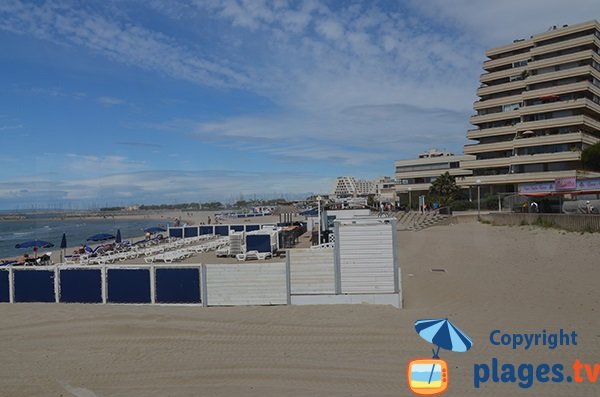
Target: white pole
(319, 211)
(478, 198)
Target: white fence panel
(366, 257)
(246, 284)
(311, 271)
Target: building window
(510, 107)
(518, 64)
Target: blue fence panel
(250, 228)
(258, 242)
(207, 230)
(4, 286)
(81, 286)
(222, 230)
(237, 228)
(178, 285)
(34, 285)
(128, 285)
(176, 232)
(190, 232)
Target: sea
(51, 229)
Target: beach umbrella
(63, 245)
(34, 244)
(118, 239)
(101, 237)
(154, 230)
(443, 334)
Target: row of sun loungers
(170, 250)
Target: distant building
(344, 186)
(385, 189)
(347, 186)
(416, 175)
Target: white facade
(348, 186)
(417, 174)
(344, 186)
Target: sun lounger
(261, 256)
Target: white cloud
(499, 22)
(93, 166)
(108, 101)
(121, 41)
(161, 186)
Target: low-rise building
(416, 175)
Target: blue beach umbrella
(34, 244)
(101, 237)
(118, 239)
(63, 242)
(155, 229)
(444, 334)
(63, 246)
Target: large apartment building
(538, 108)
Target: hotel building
(538, 108)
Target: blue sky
(121, 102)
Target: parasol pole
(435, 355)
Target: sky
(121, 102)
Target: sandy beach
(515, 279)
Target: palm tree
(444, 186)
(590, 157)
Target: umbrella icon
(443, 334)
(118, 239)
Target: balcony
(494, 89)
(558, 122)
(433, 173)
(495, 131)
(577, 56)
(488, 103)
(487, 118)
(564, 45)
(516, 178)
(488, 147)
(494, 63)
(563, 74)
(501, 74)
(525, 159)
(556, 139)
(514, 46)
(560, 105)
(561, 89)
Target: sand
(516, 279)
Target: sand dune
(514, 279)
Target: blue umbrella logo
(443, 334)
